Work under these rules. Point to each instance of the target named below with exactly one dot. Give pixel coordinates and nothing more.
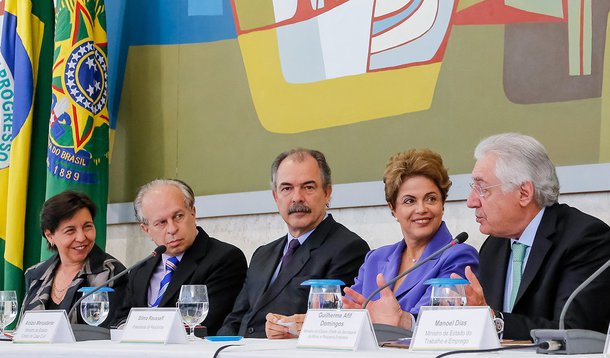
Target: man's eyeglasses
(482, 190)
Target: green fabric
(518, 256)
(79, 137)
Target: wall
(375, 224)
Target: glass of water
(324, 294)
(8, 309)
(193, 305)
(448, 291)
(95, 308)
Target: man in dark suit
(165, 209)
(316, 247)
(538, 251)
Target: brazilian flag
(25, 99)
(77, 153)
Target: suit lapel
(441, 238)
(186, 267)
(142, 281)
(496, 271)
(299, 260)
(540, 248)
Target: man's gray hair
(519, 159)
(189, 196)
(300, 154)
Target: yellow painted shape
(604, 132)
(292, 108)
(464, 4)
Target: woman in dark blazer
(66, 221)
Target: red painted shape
(496, 12)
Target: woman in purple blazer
(416, 186)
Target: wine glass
(8, 309)
(193, 306)
(94, 309)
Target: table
(250, 348)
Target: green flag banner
(77, 154)
(25, 99)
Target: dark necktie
(292, 247)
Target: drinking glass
(193, 306)
(324, 294)
(8, 309)
(94, 309)
(447, 291)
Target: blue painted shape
(158, 22)
(419, 50)
(205, 8)
(384, 24)
(167, 22)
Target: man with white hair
(538, 250)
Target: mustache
(298, 208)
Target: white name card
(154, 325)
(454, 328)
(337, 329)
(50, 326)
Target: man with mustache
(315, 247)
(165, 209)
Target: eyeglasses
(482, 190)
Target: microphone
(158, 251)
(460, 238)
(572, 341)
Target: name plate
(154, 325)
(337, 329)
(50, 326)
(454, 328)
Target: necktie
(170, 267)
(518, 256)
(292, 247)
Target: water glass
(8, 309)
(447, 291)
(95, 308)
(193, 305)
(324, 294)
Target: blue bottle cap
(446, 281)
(86, 290)
(323, 282)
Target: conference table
(200, 348)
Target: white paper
(338, 329)
(154, 325)
(454, 328)
(44, 326)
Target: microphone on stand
(572, 341)
(460, 238)
(85, 332)
(385, 332)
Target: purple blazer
(412, 292)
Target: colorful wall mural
(211, 90)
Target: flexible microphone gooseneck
(460, 238)
(158, 251)
(573, 341)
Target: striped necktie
(170, 267)
(518, 256)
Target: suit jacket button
(250, 330)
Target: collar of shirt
(526, 238)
